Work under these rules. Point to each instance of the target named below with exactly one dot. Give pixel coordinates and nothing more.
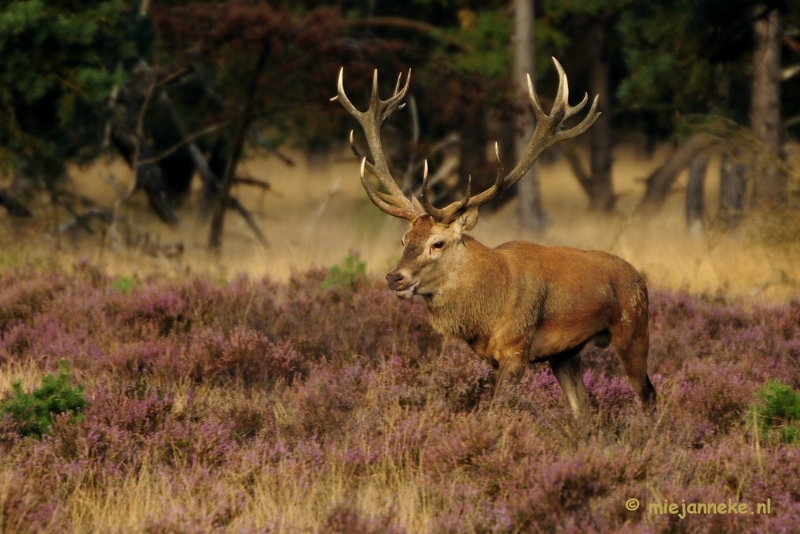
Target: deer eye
(438, 244)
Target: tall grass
(257, 406)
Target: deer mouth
(407, 292)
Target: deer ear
(466, 221)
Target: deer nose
(395, 280)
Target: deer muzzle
(400, 285)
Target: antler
(547, 133)
(395, 203)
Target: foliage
(687, 57)
(124, 284)
(348, 274)
(60, 61)
(779, 409)
(33, 413)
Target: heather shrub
(24, 294)
(33, 412)
(778, 411)
(245, 355)
(250, 406)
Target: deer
(519, 303)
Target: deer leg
(509, 369)
(631, 343)
(566, 367)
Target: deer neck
(469, 299)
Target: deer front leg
(511, 365)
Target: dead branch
(264, 143)
(210, 180)
(660, 181)
(234, 204)
(240, 180)
(183, 142)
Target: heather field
(325, 404)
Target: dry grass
(314, 216)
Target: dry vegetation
(314, 216)
(269, 403)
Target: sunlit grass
(318, 216)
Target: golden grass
(315, 216)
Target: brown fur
(522, 302)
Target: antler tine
(562, 97)
(392, 103)
(342, 97)
(538, 112)
(499, 180)
(353, 146)
(584, 124)
(423, 195)
(572, 110)
(561, 102)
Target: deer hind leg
(566, 367)
(631, 341)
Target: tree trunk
(218, 218)
(695, 203)
(531, 213)
(472, 149)
(769, 186)
(660, 181)
(732, 187)
(601, 196)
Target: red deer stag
(520, 302)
